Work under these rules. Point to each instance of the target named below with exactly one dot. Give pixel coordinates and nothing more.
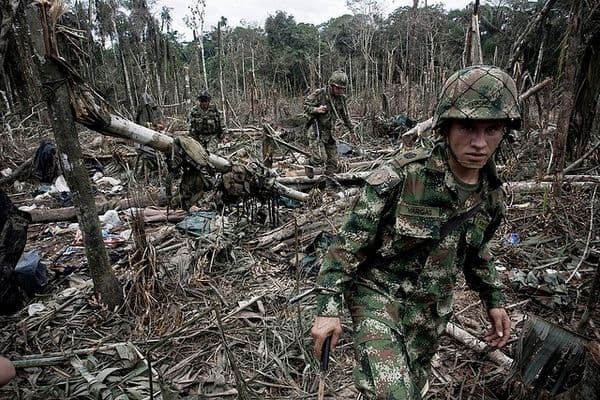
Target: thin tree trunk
(476, 54)
(244, 74)
(220, 56)
(124, 71)
(569, 68)
(253, 97)
(106, 284)
(187, 88)
(586, 100)
(91, 42)
(540, 57)
(319, 66)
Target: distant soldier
(206, 123)
(324, 107)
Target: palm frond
(548, 356)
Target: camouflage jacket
(336, 108)
(205, 123)
(390, 241)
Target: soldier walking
(205, 127)
(323, 108)
(416, 224)
(206, 122)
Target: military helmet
(479, 92)
(339, 78)
(204, 95)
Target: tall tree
(56, 95)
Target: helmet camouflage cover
(479, 92)
(339, 78)
(204, 95)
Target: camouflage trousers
(394, 342)
(191, 189)
(323, 151)
(210, 142)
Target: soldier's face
(204, 104)
(337, 90)
(473, 142)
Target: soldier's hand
(499, 332)
(323, 327)
(321, 109)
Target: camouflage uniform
(206, 126)
(413, 227)
(191, 160)
(396, 277)
(322, 144)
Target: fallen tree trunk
(70, 213)
(479, 346)
(350, 167)
(409, 136)
(290, 228)
(123, 128)
(272, 134)
(341, 177)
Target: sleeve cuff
(329, 305)
(493, 299)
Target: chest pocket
(475, 230)
(414, 227)
(209, 124)
(418, 221)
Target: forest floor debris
(207, 315)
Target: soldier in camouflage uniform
(206, 127)
(190, 160)
(206, 123)
(323, 108)
(418, 221)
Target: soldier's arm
(480, 273)
(311, 102)
(357, 236)
(190, 121)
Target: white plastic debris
(28, 208)
(35, 308)
(60, 185)
(109, 181)
(111, 217)
(97, 176)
